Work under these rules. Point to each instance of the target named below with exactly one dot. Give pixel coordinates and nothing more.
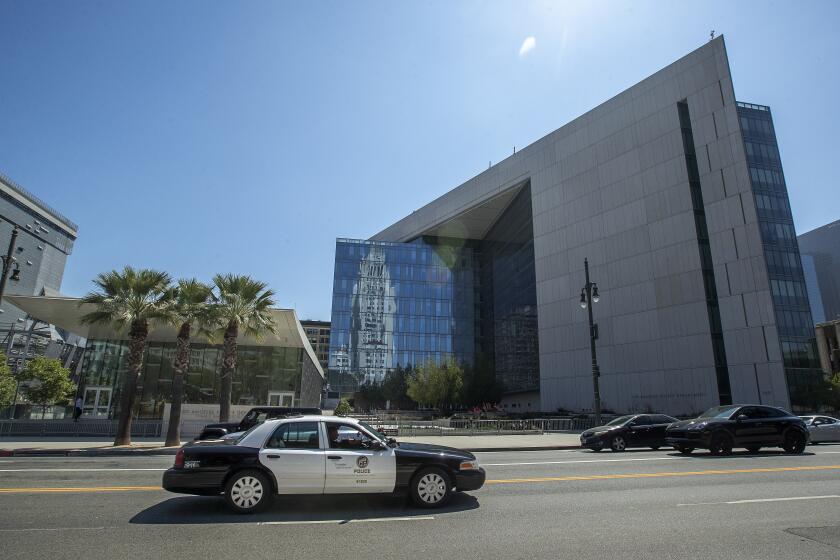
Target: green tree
(394, 387)
(243, 303)
(343, 408)
(191, 308)
(131, 298)
(436, 385)
(49, 382)
(8, 384)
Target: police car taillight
(179, 459)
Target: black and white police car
(319, 455)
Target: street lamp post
(8, 261)
(588, 296)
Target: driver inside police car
(353, 440)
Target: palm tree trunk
(137, 343)
(182, 358)
(228, 367)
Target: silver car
(822, 428)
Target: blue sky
(204, 137)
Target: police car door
(353, 466)
(295, 456)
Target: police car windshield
(246, 432)
(379, 435)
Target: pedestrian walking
(77, 410)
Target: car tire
(655, 447)
(794, 442)
(720, 444)
(431, 487)
(248, 491)
(685, 450)
(754, 448)
(618, 444)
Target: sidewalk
(95, 447)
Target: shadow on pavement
(197, 510)
(704, 454)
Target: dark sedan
(722, 428)
(637, 430)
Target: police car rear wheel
(248, 492)
(431, 488)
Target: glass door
(281, 399)
(97, 402)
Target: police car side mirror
(377, 445)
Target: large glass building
(672, 190)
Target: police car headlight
(469, 465)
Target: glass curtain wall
(784, 265)
(509, 298)
(399, 304)
(259, 370)
(403, 304)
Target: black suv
(256, 415)
(722, 428)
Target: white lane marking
(585, 461)
(55, 529)
(79, 470)
(765, 500)
(344, 521)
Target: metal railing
(82, 428)
(468, 427)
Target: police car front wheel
(431, 487)
(248, 492)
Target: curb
(88, 452)
(534, 448)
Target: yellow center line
(49, 490)
(78, 489)
(658, 475)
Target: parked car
(319, 455)
(722, 428)
(635, 430)
(822, 428)
(256, 415)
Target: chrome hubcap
(619, 443)
(431, 488)
(246, 492)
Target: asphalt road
(554, 504)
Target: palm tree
(243, 303)
(131, 298)
(191, 306)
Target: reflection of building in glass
(439, 298)
(372, 320)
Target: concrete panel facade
(612, 186)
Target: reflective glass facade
(784, 265)
(399, 304)
(259, 370)
(403, 304)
